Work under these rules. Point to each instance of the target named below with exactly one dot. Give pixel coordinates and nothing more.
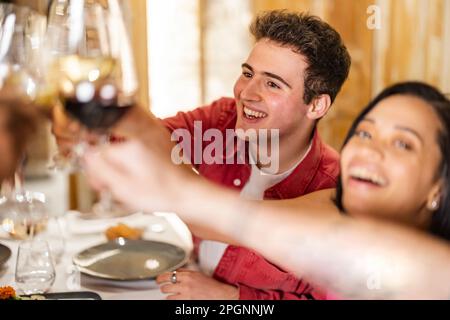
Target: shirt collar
(300, 178)
(279, 176)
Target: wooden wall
(138, 21)
(38, 5)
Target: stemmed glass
(22, 32)
(90, 68)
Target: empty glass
(35, 272)
(23, 214)
(22, 32)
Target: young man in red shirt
(288, 83)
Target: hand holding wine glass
(90, 67)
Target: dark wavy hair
(328, 59)
(440, 224)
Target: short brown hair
(327, 57)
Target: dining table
(77, 234)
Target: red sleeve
(211, 116)
(327, 175)
(248, 293)
(259, 279)
(214, 116)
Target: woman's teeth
(254, 114)
(366, 175)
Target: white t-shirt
(210, 252)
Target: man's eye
(363, 134)
(273, 85)
(247, 74)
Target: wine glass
(23, 214)
(22, 32)
(35, 272)
(90, 68)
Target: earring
(434, 204)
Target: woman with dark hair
(428, 201)
(394, 167)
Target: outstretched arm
(353, 259)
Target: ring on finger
(173, 278)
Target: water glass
(35, 272)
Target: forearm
(209, 210)
(352, 259)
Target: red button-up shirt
(256, 277)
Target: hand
(69, 132)
(141, 167)
(133, 172)
(193, 285)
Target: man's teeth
(364, 174)
(254, 114)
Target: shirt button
(237, 182)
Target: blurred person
(288, 83)
(17, 124)
(395, 168)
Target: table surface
(68, 278)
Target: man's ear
(319, 107)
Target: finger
(65, 127)
(97, 185)
(165, 277)
(115, 174)
(92, 138)
(119, 168)
(170, 288)
(176, 297)
(100, 171)
(64, 141)
(113, 167)
(62, 133)
(115, 155)
(65, 145)
(73, 126)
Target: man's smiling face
(269, 92)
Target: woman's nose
(373, 149)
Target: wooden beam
(140, 47)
